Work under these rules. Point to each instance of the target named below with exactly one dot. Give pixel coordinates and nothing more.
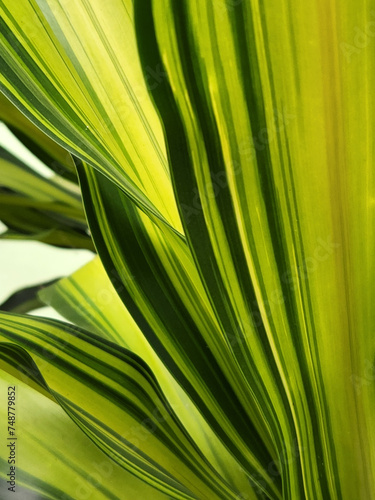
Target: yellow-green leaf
(84, 87)
(54, 459)
(113, 396)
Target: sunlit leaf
(56, 459)
(113, 396)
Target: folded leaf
(91, 95)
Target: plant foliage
(220, 345)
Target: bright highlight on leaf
(220, 344)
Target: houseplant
(223, 151)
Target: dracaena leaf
(26, 299)
(56, 459)
(113, 396)
(272, 156)
(48, 151)
(90, 86)
(155, 276)
(34, 207)
(266, 111)
(88, 299)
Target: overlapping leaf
(271, 161)
(39, 208)
(155, 276)
(276, 210)
(115, 399)
(88, 299)
(47, 150)
(56, 459)
(84, 87)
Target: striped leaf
(83, 86)
(154, 274)
(47, 150)
(60, 238)
(20, 178)
(89, 300)
(26, 299)
(263, 130)
(113, 396)
(54, 459)
(39, 208)
(264, 313)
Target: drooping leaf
(88, 299)
(90, 93)
(115, 399)
(54, 459)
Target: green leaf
(56, 208)
(262, 128)
(25, 300)
(266, 110)
(47, 150)
(154, 274)
(20, 178)
(54, 459)
(60, 238)
(88, 299)
(37, 208)
(114, 397)
(90, 92)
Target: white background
(26, 263)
